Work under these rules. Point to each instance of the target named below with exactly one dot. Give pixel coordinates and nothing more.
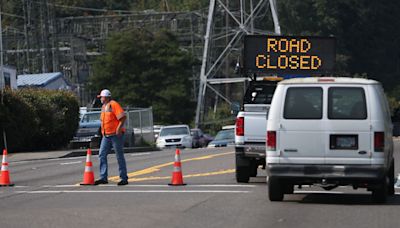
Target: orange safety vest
(111, 113)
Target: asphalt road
(46, 194)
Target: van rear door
(348, 130)
(300, 138)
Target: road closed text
(289, 54)
(283, 46)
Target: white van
(329, 132)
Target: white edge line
(70, 163)
(153, 185)
(45, 159)
(129, 191)
(323, 192)
(140, 154)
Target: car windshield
(225, 134)
(174, 131)
(91, 117)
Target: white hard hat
(104, 93)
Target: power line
(86, 8)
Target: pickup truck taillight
(240, 126)
(379, 141)
(271, 140)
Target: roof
(37, 79)
(329, 80)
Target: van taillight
(240, 126)
(271, 140)
(379, 141)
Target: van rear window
(303, 103)
(346, 103)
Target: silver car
(175, 136)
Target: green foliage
(143, 69)
(367, 33)
(17, 119)
(39, 119)
(214, 121)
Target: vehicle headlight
(186, 139)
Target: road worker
(112, 128)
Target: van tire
(392, 180)
(380, 193)
(242, 174)
(275, 190)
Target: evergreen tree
(143, 69)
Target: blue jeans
(117, 143)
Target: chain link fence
(140, 123)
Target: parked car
(330, 132)
(223, 138)
(156, 130)
(89, 127)
(199, 138)
(89, 132)
(174, 136)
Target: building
(9, 77)
(53, 81)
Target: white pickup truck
(251, 127)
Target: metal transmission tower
(241, 17)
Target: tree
(366, 31)
(143, 69)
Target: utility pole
(1, 72)
(241, 23)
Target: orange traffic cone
(177, 179)
(5, 175)
(88, 175)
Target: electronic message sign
(289, 54)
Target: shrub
(36, 119)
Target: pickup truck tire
(243, 169)
(242, 174)
(288, 188)
(379, 194)
(253, 168)
(392, 180)
(275, 189)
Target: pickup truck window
(346, 103)
(259, 94)
(303, 103)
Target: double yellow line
(134, 176)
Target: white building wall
(10, 73)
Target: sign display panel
(289, 54)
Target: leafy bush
(37, 119)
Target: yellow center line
(157, 168)
(184, 176)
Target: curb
(83, 152)
(127, 150)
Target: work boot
(123, 182)
(100, 181)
